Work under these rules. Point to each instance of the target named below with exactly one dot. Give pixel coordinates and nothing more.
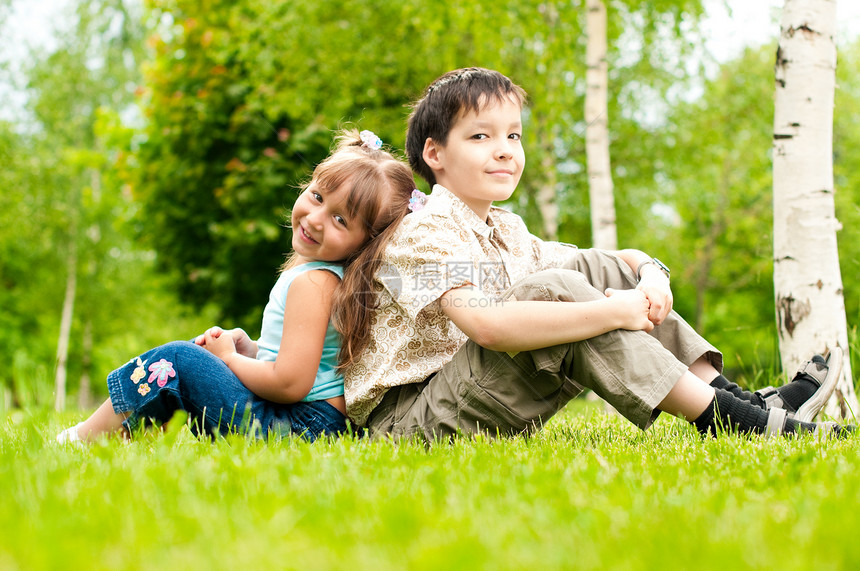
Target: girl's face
(322, 228)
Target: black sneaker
(822, 371)
(826, 375)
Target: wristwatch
(657, 263)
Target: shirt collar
(444, 197)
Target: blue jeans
(184, 376)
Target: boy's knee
(555, 285)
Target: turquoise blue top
(328, 383)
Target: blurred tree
(28, 260)
(91, 71)
(600, 192)
(846, 170)
(65, 213)
(709, 208)
(654, 60)
(706, 191)
(216, 168)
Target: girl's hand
(244, 344)
(633, 308)
(214, 331)
(242, 341)
(221, 346)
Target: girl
(288, 382)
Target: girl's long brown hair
(379, 186)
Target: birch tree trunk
(85, 388)
(546, 193)
(65, 332)
(546, 199)
(807, 280)
(600, 189)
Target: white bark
(545, 196)
(600, 188)
(65, 333)
(84, 389)
(807, 278)
(546, 199)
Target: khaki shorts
(483, 391)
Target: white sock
(69, 435)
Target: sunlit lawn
(589, 492)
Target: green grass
(588, 492)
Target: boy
(463, 339)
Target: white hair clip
(418, 200)
(369, 140)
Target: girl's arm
(528, 325)
(306, 316)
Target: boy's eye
(479, 136)
(515, 136)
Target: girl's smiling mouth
(305, 236)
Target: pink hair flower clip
(369, 140)
(418, 200)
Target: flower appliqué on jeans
(161, 371)
(139, 372)
(143, 389)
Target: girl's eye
(479, 136)
(317, 196)
(515, 136)
(340, 220)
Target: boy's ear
(431, 154)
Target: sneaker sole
(810, 409)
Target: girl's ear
(431, 154)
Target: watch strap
(663, 267)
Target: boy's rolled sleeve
(552, 255)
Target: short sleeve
(426, 258)
(552, 255)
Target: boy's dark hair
(456, 92)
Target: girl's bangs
(362, 180)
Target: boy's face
(483, 159)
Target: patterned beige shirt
(441, 247)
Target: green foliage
(215, 172)
(707, 195)
(589, 492)
(846, 171)
(64, 198)
(29, 257)
(240, 99)
(711, 210)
